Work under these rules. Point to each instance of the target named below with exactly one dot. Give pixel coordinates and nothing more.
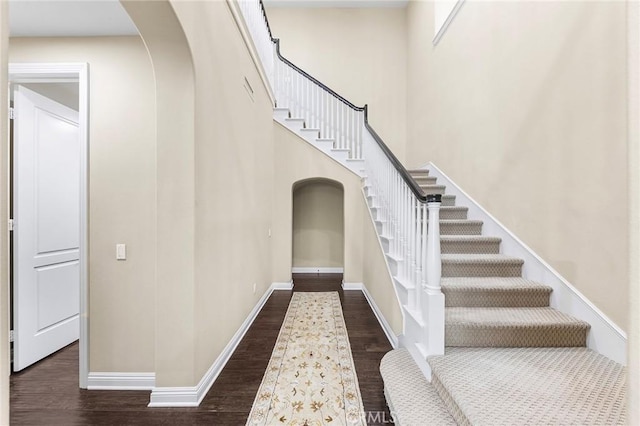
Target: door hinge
(11, 225)
(10, 336)
(12, 113)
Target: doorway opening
(318, 227)
(49, 211)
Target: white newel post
(435, 298)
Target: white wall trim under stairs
(605, 336)
(191, 396)
(386, 327)
(280, 116)
(316, 270)
(121, 381)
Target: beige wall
(122, 187)
(175, 195)
(233, 178)
(633, 78)
(318, 224)
(359, 53)
(523, 104)
(376, 274)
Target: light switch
(121, 252)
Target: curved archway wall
(166, 43)
(318, 226)
(364, 262)
(215, 179)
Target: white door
(46, 235)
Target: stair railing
(255, 18)
(323, 109)
(410, 220)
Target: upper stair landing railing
(255, 18)
(333, 116)
(408, 217)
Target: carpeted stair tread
(432, 189)
(460, 227)
(508, 317)
(512, 327)
(496, 292)
(453, 213)
(425, 180)
(411, 398)
(481, 258)
(530, 386)
(418, 172)
(469, 244)
(481, 265)
(448, 200)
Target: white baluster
(435, 298)
(352, 127)
(411, 260)
(340, 125)
(316, 106)
(360, 131)
(405, 222)
(418, 247)
(425, 250)
(394, 236)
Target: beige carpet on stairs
(310, 379)
(530, 386)
(510, 358)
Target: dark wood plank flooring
(47, 393)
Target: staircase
(494, 350)
(509, 357)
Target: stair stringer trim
(605, 337)
(402, 341)
(395, 340)
(279, 120)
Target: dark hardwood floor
(47, 393)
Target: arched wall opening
(318, 226)
(173, 69)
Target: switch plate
(121, 252)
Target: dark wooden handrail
(411, 183)
(310, 77)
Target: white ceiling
(74, 18)
(77, 18)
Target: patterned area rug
(310, 379)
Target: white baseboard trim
(121, 381)
(605, 336)
(352, 286)
(316, 270)
(393, 339)
(191, 396)
(282, 286)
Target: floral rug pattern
(310, 379)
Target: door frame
(65, 73)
